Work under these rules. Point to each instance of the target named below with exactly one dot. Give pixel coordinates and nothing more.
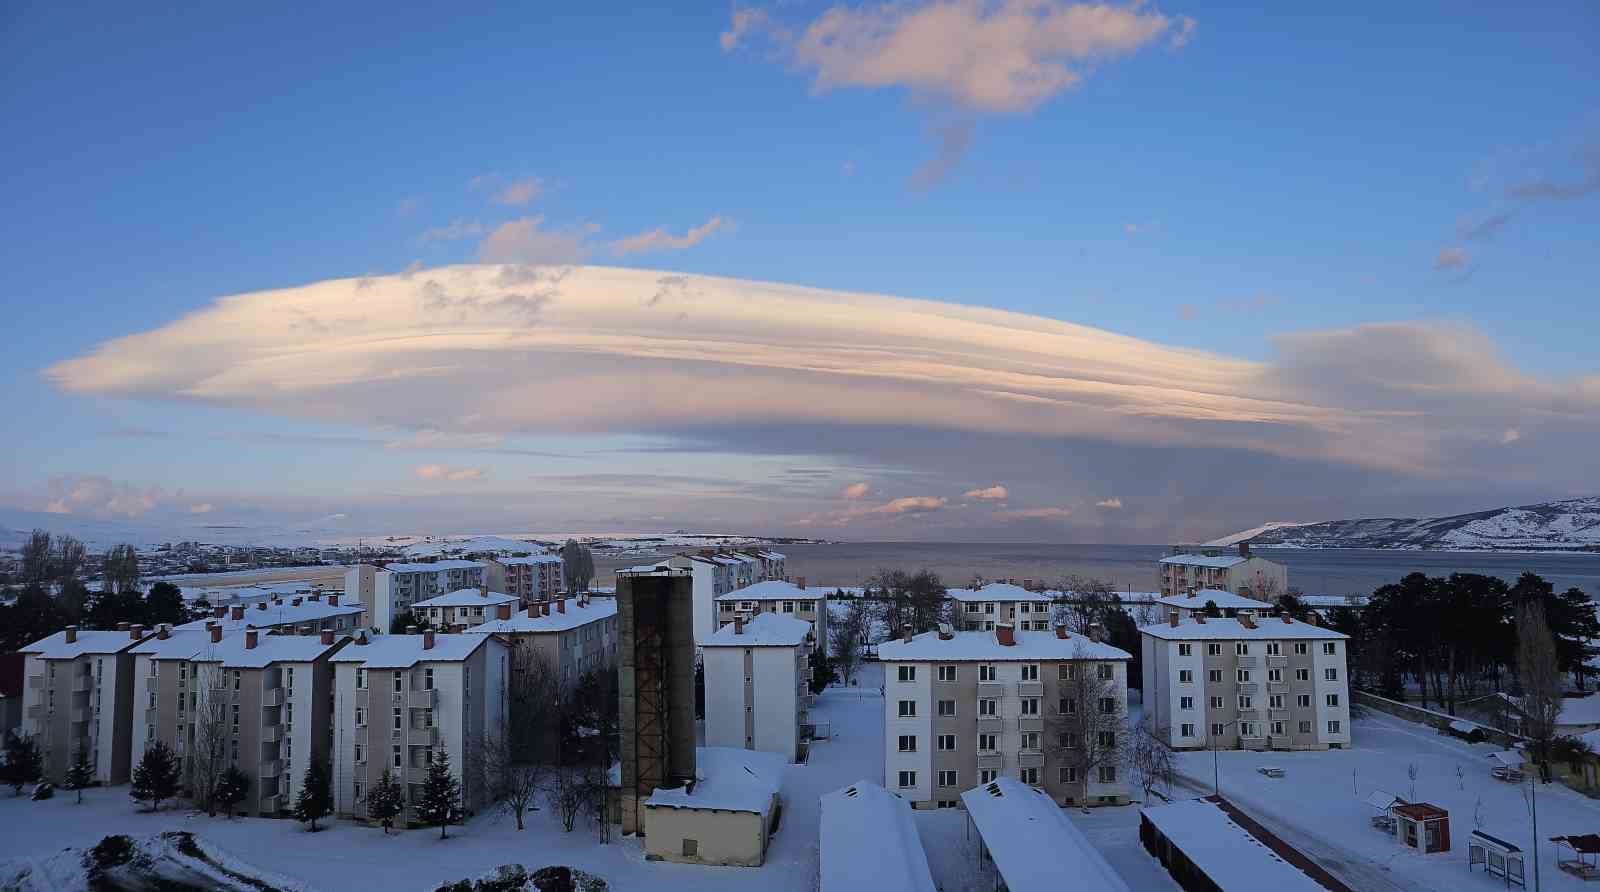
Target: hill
(1573, 524)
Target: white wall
(724, 667)
(921, 691)
(776, 703)
(1319, 663)
(105, 702)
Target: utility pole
(1533, 811)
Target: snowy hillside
(1570, 524)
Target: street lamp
(1216, 772)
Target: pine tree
(78, 776)
(316, 796)
(155, 778)
(384, 802)
(441, 796)
(232, 787)
(23, 763)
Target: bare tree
(1084, 602)
(207, 759)
(1540, 674)
(849, 635)
(1150, 757)
(121, 569)
(36, 556)
(909, 599)
(1087, 728)
(68, 560)
(567, 794)
(514, 760)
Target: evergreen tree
(78, 776)
(155, 778)
(23, 763)
(441, 796)
(384, 802)
(316, 795)
(233, 786)
(164, 604)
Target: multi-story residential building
(537, 577)
(785, 598)
(756, 676)
(399, 699)
(1240, 682)
(398, 586)
(965, 708)
(78, 698)
(717, 573)
(361, 586)
(979, 610)
(467, 607)
(1202, 600)
(1189, 569)
(572, 635)
(296, 614)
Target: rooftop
(405, 651)
(727, 779)
(763, 630)
(998, 591)
(986, 646)
(869, 841)
(433, 567)
(576, 615)
(269, 649)
(1214, 561)
(55, 647)
(1229, 628)
(1035, 848)
(775, 590)
(187, 644)
(467, 597)
(266, 613)
(1224, 599)
(1233, 857)
(531, 559)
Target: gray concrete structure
(655, 626)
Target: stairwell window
(1068, 774)
(1216, 702)
(1186, 730)
(908, 709)
(1030, 672)
(1330, 648)
(361, 678)
(988, 743)
(947, 778)
(1334, 727)
(1108, 706)
(1108, 774)
(1213, 649)
(1241, 648)
(1330, 674)
(947, 742)
(1305, 727)
(1029, 776)
(1332, 700)
(1186, 703)
(907, 673)
(1302, 675)
(947, 708)
(987, 707)
(907, 779)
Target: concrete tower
(655, 680)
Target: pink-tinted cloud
(995, 493)
(520, 192)
(525, 241)
(1111, 504)
(1451, 258)
(856, 491)
(659, 239)
(98, 496)
(448, 472)
(1049, 513)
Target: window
(947, 673)
(988, 607)
(398, 718)
(1108, 774)
(1064, 672)
(398, 681)
(236, 718)
(1247, 729)
(288, 677)
(1213, 649)
(361, 678)
(1070, 741)
(987, 743)
(691, 848)
(1302, 675)
(986, 672)
(1105, 671)
(1030, 740)
(1108, 706)
(361, 753)
(947, 708)
(747, 605)
(1068, 774)
(1030, 706)
(908, 709)
(947, 778)
(1241, 648)
(1277, 728)
(1274, 675)
(1274, 648)
(361, 716)
(1333, 727)
(1024, 608)
(907, 673)
(1303, 701)
(1217, 728)
(947, 742)
(1246, 701)
(1029, 776)
(358, 791)
(908, 743)
(987, 775)
(1185, 650)
(1330, 674)
(1330, 648)
(1301, 648)
(1332, 699)
(1243, 675)
(394, 755)
(1106, 739)
(1275, 701)
(1030, 671)
(907, 779)
(1216, 702)
(788, 606)
(1186, 703)
(1185, 676)
(238, 676)
(1305, 727)
(427, 679)
(1067, 706)
(987, 707)
(1214, 676)
(1186, 730)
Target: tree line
(49, 592)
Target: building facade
(467, 607)
(571, 635)
(756, 676)
(398, 586)
(791, 599)
(715, 573)
(1235, 570)
(77, 697)
(965, 708)
(1240, 682)
(981, 609)
(294, 615)
(537, 577)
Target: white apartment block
(297, 614)
(962, 709)
(715, 573)
(979, 610)
(1244, 682)
(537, 577)
(573, 635)
(1235, 570)
(398, 699)
(783, 598)
(398, 586)
(756, 676)
(361, 585)
(1198, 601)
(77, 696)
(466, 607)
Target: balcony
(1248, 662)
(271, 768)
(991, 724)
(271, 733)
(1253, 743)
(988, 689)
(272, 697)
(271, 805)
(1249, 687)
(82, 684)
(1030, 723)
(36, 711)
(81, 714)
(36, 682)
(1030, 689)
(1278, 715)
(150, 715)
(423, 736)
(359, 735)
(1277, 687)
(1277, 661)
(991, 759)
(1030, 759)
(427, 698)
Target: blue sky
(1283, 171)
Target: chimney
(333, 600)
(163, 631)
(263, 604)
(361, 638)
(1004, 634)
(1061, 631)
(1191, 592)
(458, 628)
(533, 610)
(72, 634)
(1097, 632)
(136, 632)
(561, 605)
(483, 591)
(1172, 618)
(327, 637)
(945, 632)
(738, 626)
(277, 602)
(502, 611)
(220, 611)
(1244, 549)
(1287, 619)
(317, 596)
(296, 602)
(250, 639)
(1246, 620)
(238, 611)
(427, 640)
(1313, 618)
(122, 626)
(800, 582)
(216, 634)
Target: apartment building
(361, 585)
(573, 635)
(783, 598)
(295, 615)
(1190, 568)
(398, 699)
(251, 699)
(981, 609)
(1199, 601)
(1242, 682)
(78, 698)
(465, 607)
(965, 708)
(536, 577)
(715, 573)
(756, 677)
(398, 586)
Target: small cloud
(856, 491)
(1034, 514)
(744, 23)
(455, 231)
(953, 139)
(1188, 311)
(1481, 227)
(1451, 259)
(1111, 504)
(447, 472)
(1184, 34)
(405, 207)
(1511, 435)
(910, 505)
(524, 241)
(995, 493)
(202, 508)
(1130, 228)
(96, 495)
(437, 439)
(519, 193)
(1587, 160)
(659, 239)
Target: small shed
(1579, 855)
(1498, 857)
(1422, 826)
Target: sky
(1004, 271)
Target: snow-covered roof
(232, 652)
(1579, 711)
(1229, 628)
(531, 559)
(405, 651)
(997, 591)
(1224, 599)
(727, 779)
(1034, 846)
(869, 841)
(576, 615)
(1383, 800)
(467, 597)
(286, 613)
(56, 647)
(1512, 758)
(775, 590)
(185, 645)
(986, 646)
(1214, 561)
(763, 630)
(433, 567)
(1229, 854)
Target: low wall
(1437, 720)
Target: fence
(1438, 720)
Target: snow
(1229, 628)
(1247, 535)
(1461, 727)
(434, 567)
(963, 646)
(576, 615)
(1227, 853)
(266, 613)
(185, 645)
(56, 647)
(869, 841)
(467, 597)
(530, 559)
(727, 779)
(764, 630)
(776, 590)
(232, 652)
(1217, 561)
(1579, 711)
(997, 591)
(1032, 843)
(1225, 600)
(405, 651)
(471, 545)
